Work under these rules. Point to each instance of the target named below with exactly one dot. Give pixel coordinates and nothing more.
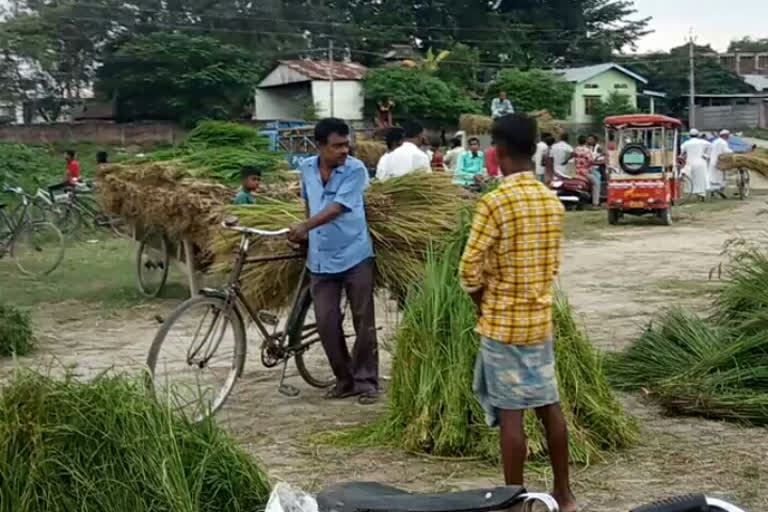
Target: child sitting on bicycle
(251, 180)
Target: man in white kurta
(696, 151)
(716, 175)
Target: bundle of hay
(432, 408)
(162, 194)
(756, 161)
(475, 124)
(405, 215)
(546, 123)
(369, 151)
(713, 367)
(109, 445)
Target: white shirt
(695, 149)
(451, 158)
(541, 149)
(719, 147)
(561, 153)
(382, 165)
(404, 160)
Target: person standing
(582, 158)
(696, 151)
(340, 258)
(717, 179)
(501, 106)
(72, 175)
(393, 139)
(384, 108)
(508, 269)
(538, 157)
(471, 166)
(451, 158)
(437, 161)
(408, 157)
(491, 164)
(561, 153)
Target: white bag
(285, 498)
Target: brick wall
(142, 133)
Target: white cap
(694, 132)
(724, 132)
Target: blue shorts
(514, 377)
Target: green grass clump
(432, 408)
(225, 133)
(16, 335)
(107, 445)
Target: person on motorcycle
(582, 157)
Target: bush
(109, 445)
(614, 105)
(418, 94)
(16, 336)
(533, 90)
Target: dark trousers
(358, 371)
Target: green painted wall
(601, 85)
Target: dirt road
(616, 277)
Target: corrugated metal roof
(582, 74)
(759, 82)
(319, 69)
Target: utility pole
(330, 72)
(692, 79)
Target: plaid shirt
(513, 255)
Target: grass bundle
(475, 124)
(109, 445)
(16, 335)
(225, 133)
(756, 161)
(369, 151)
(405, 215)
(432, 408)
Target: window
(591, 86)
(620, 86)
(590, 102)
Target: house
(732, 111)
(302, 89)
(744, 63)
(759, 82)
(595, 83)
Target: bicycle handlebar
(253, 231)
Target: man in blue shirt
(340, 257)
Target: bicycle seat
(375, 497)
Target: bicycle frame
(14, 223)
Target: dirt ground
(616, 278)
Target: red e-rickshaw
(643, 172)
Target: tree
(534, 90)
(178, 77)
(616, 104)
(747, 44)
(461, 67)
(417, 94)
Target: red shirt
(437, 161)
(491, 165)
(73, 172)
(582, 156)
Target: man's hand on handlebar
(298, 233)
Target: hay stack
(474, 124)
(405, 215)
(547, 123)
(756, 161)
(370, 151)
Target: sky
(714, 22)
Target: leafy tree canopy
(418, 94)
(178, 77)
(616, 104)
(533, 90)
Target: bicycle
(225, 308)
(36, 246)
(73, 208)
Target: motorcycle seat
(376, 497)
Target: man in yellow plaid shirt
(508, 268)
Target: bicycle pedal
(288, 390)
(268, 318)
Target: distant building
(596, 83)
(732, 111)
(301, 89)
(745, 63)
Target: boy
(251, 179)
(508, 268)
(73, 168)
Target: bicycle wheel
(67, 218)
(37, 248)
(152, 262)
(197, 356)
(311, 361)
(686, 190)
(744, 184)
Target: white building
(295, 89)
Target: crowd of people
(702, 162)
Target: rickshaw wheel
(665, 216)
(614, 215)
(152, 263)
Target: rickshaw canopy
(642, 121)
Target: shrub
(16, 336)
